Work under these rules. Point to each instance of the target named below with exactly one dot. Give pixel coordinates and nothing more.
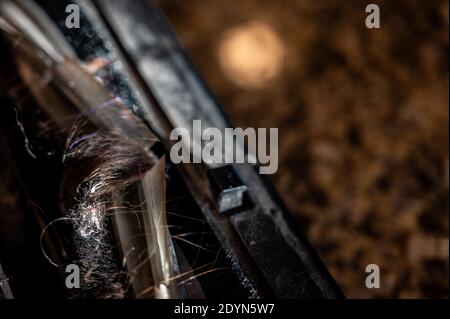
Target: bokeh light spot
(251, 54)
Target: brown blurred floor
(363, 120)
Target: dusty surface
(363, 119)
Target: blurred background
(363, 124)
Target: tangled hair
(107, 149)
(98, 162)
